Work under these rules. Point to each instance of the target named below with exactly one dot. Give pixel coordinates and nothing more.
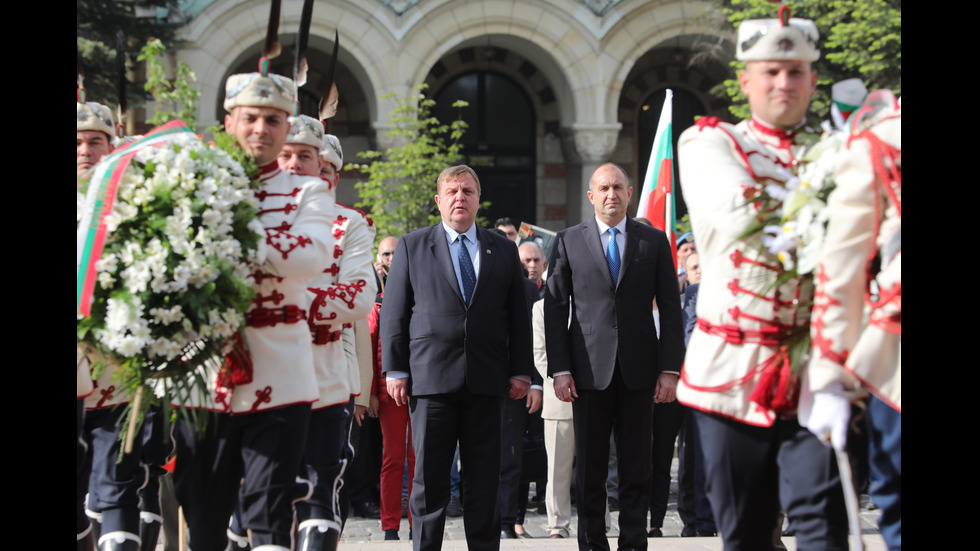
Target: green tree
(175, 99)
(402, 180)
(97, 22)
(858, 39)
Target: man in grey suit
(456, 339)
(606, 273)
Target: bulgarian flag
(657, 193)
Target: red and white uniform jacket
(743, 320)
(297, 213)
(857, 335)
(339, 296)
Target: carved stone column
(594, 143)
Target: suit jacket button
(615, 327)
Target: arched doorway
(499, 142)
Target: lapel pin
(488, 251)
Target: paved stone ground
(366, 534)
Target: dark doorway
(499, 143)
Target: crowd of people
(520, 366)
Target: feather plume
(271, 47)
(121, 71)
(330, 97)
(300, 66)
(80, 72)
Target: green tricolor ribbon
(91, 232)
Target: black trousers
(438, 422)
(323, 464)
(666, 424)
(628, 415)
(751, 470)
(254, 457)
(113, 486)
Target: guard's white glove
(829, 416)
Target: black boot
(150, 524)
(318, 535)
(86, 542)
(119, 541)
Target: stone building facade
(555, 86)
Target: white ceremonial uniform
(742, 320)
(737, 371)
(341, 295)
(865, 221)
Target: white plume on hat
(255, 90)
(332, 152)
(94, 116)
(774, 39)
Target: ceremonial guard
(860, 272)
(740, 373)
(260, 403)
(340, 295)
(113, 486)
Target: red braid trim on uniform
(821, 301)
(275, 297)
(288, 208)
(269, 170)
(262, 194)
(285, 242)
(263, 396)
(338, 291)
(778, 387)
(270, 317)
(106, 395)
(738, 259)
(734, 287)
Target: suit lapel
(594, 244)
(439, 246)
(487, 251)
(632, 242)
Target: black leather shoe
(706, 533)
(391, 534)
(689, 531)
(367, 510)
(508, 534)
(655, 533)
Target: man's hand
(534, 397)
(565, 388)
(373, 405)
(359, 412)
(398, 390)
(518, 388)
(666, 390)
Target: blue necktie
(466, 270)
(612, 256)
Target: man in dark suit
(456, 339)
(606, 272)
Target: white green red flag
(657, 193)
(91, 232)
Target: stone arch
(225, 34)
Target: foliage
(96, 24)
(175, 99)
(858, 38)
(401, 181)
